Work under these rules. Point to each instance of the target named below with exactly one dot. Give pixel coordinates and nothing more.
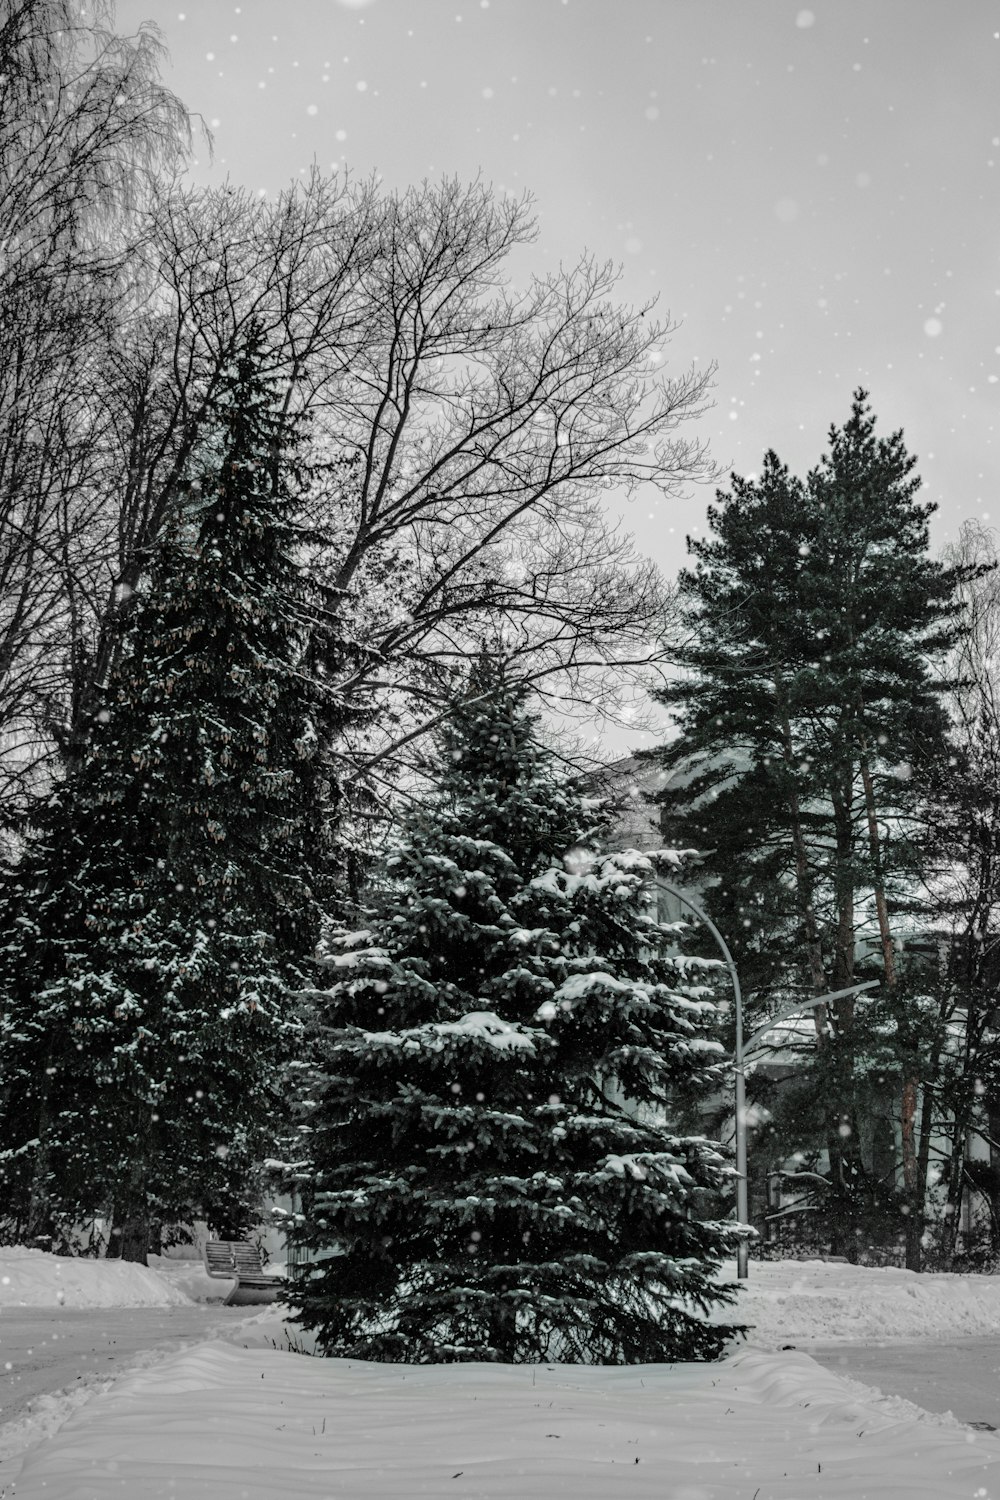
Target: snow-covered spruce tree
(168, 901)
(492, 1172)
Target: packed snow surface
(248, 1420)
(222, 1423)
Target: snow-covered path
(961, 1376)
(45, 1349)
(238, 1418)
(219, 1423)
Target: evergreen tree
(749, 774)
(492, 1171)
(171, 894)
(811, 722)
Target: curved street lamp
(739, 1090)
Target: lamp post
(739, 1090)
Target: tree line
(834, 763)
(290, 485)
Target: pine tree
(492, 1173)
(749, 772)
(171, 896)
(814, 721)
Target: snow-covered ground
(247, 1420)
(222, 1423)
(814, 1301)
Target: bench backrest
(235, 1257)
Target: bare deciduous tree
(85, 129)
(463, 432)
(481, 427)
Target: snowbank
(219, 1423)
(784, 1302)
(814, 1301)
(34, 1278)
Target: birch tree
(85, 129)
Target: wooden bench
(239, 1260)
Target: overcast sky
(812, 193)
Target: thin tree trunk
(39, 1212)
(878, 884)
(39, 1219)
(913, 1187)
(503, 1331)
(975, 1025)
(842, 1133)
(843, 1239)
(924, 1147)
(131, 1215)
(803, 878)
(954, 1194)
(130, 1235)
